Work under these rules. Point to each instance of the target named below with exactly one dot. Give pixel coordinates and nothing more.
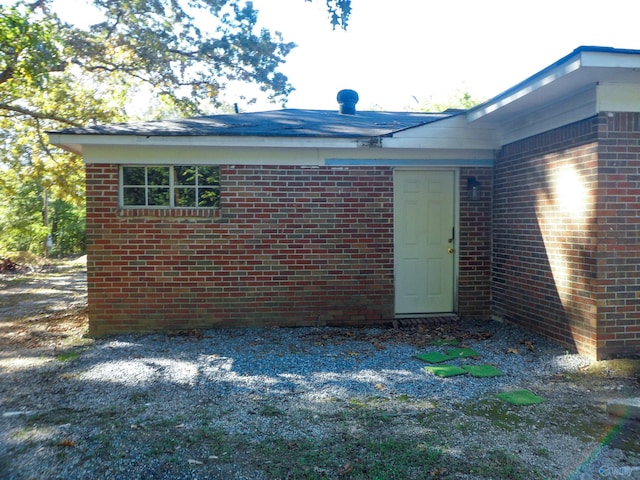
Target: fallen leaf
(191, 461)
(512, 350)
(346, 468)
(379, 386)
(379, 346)
(67, 443)
(180, 425)
(484, 335)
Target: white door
(424, 241)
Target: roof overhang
(277, 128)
(74, 143)
(582, 69)
(575, 87)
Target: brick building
(523, 209)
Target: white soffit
(587, 66)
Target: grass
(502, 415)
(624, 369)
(387, 436)
(365, 441)
(502, 464)
(69, 355)
(616, 368)
(270, 411)
(354, 457)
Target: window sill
(150, 212)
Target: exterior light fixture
(473, 188)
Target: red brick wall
(565, 249)
(618, 223)
(289, 246)
(544, 253)
(292, 246)
(474, 282)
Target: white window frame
(171, 186)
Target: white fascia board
(536, 83)
(76, 142)
(610, 60)
(144, 155)
(173, 155)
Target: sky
(395, 50)
(398, 54)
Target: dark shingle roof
(276, 123)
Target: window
(171, 186)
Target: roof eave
(75, 143)
(582, 57)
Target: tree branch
(6, 75)
(38, 115)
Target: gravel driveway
(292, 403)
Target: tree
(460, 99)
(339, 12)
(54, 75)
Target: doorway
(424, 241)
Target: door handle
(450, 250)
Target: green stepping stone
(462, 353)
(482, 371)
(520, 397)
(433, 357)
(446, 370)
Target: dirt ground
(43, 309)
(43, 320)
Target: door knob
(450, 250)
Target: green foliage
(185, 55)
(339, 12)
(28, 49)
(21, 225)
(460, 99)
(55, 75)
(68, 228)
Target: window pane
(133, 175)
(159, 196)
(158, 175)
(185, 197)
(209, 176)
(208, 197)
(191, 186)
(185, 175)
(133, 196)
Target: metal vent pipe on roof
(347, 100)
